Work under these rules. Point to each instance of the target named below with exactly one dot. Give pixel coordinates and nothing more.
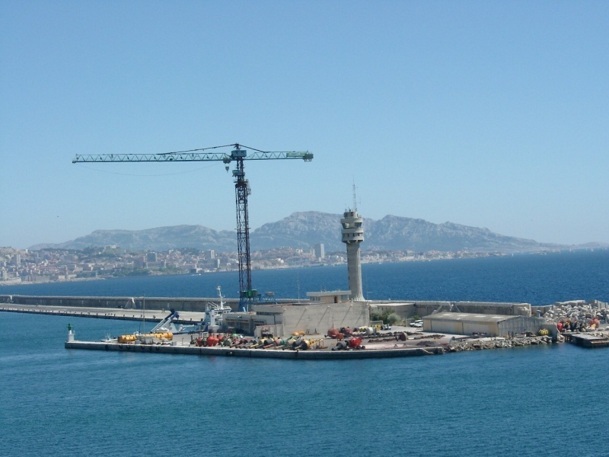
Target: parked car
(417, 324)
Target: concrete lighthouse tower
(353, 235)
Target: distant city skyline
(485, 114)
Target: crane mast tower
(242, 190)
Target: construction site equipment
(238, 155)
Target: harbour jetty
(399, 342)
(582, 323)
(116, 303)
(591, 340)
(150, 315)
(388, 351)
(317, 347)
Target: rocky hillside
(305, 229)
(300, 230)
(397, 233)
(156, 239)
(391, 233)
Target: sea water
(549, 400)
(534, 279)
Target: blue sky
(484, 113)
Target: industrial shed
(470, 323)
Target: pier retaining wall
(404, 309)
(411, 309)
(160, 303)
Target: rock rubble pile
(578, 315)
(496, 343)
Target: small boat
(211, 322)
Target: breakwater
(404, 308)
(157, 303)
(151, 315)
(477, 344)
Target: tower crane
(242, 189)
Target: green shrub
(386, 315)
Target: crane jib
(192, 157)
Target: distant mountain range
(391, 233)
(305, 229)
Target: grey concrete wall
(160, 303)
(405, 309)
(410, 309)
(319, 318)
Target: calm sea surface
(535, 279)
(525, 402)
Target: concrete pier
(127, 303)
(588, 340)
(256, 353)
(152, 315)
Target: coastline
(372, 260)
